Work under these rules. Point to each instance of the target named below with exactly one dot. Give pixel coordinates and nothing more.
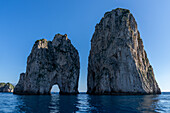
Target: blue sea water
(80, 103)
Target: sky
(22, 22)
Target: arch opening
(55, 89)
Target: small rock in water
(6, 87)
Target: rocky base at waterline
(6, 87)
(50, 63)
(118, 63)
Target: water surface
(55, 103)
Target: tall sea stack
(118, 63)
(50, 63)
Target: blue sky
(22, 22)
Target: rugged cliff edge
(50, 63)
(118, 63)
(6, 87)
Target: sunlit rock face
(50, 63)
(118, 63)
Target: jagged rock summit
(50, 63)
(118, 63)
(6, 87)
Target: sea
(84, 103)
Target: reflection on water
(83, 103)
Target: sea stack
(6, 87)
(118, 63)
(50, 63)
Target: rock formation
(6, 87)
(50, 63)
(118, 63)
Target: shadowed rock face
(50, 63)
(6, 87)
(118, 63)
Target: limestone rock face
(118, 63)
(6, 87)
(50, 63)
